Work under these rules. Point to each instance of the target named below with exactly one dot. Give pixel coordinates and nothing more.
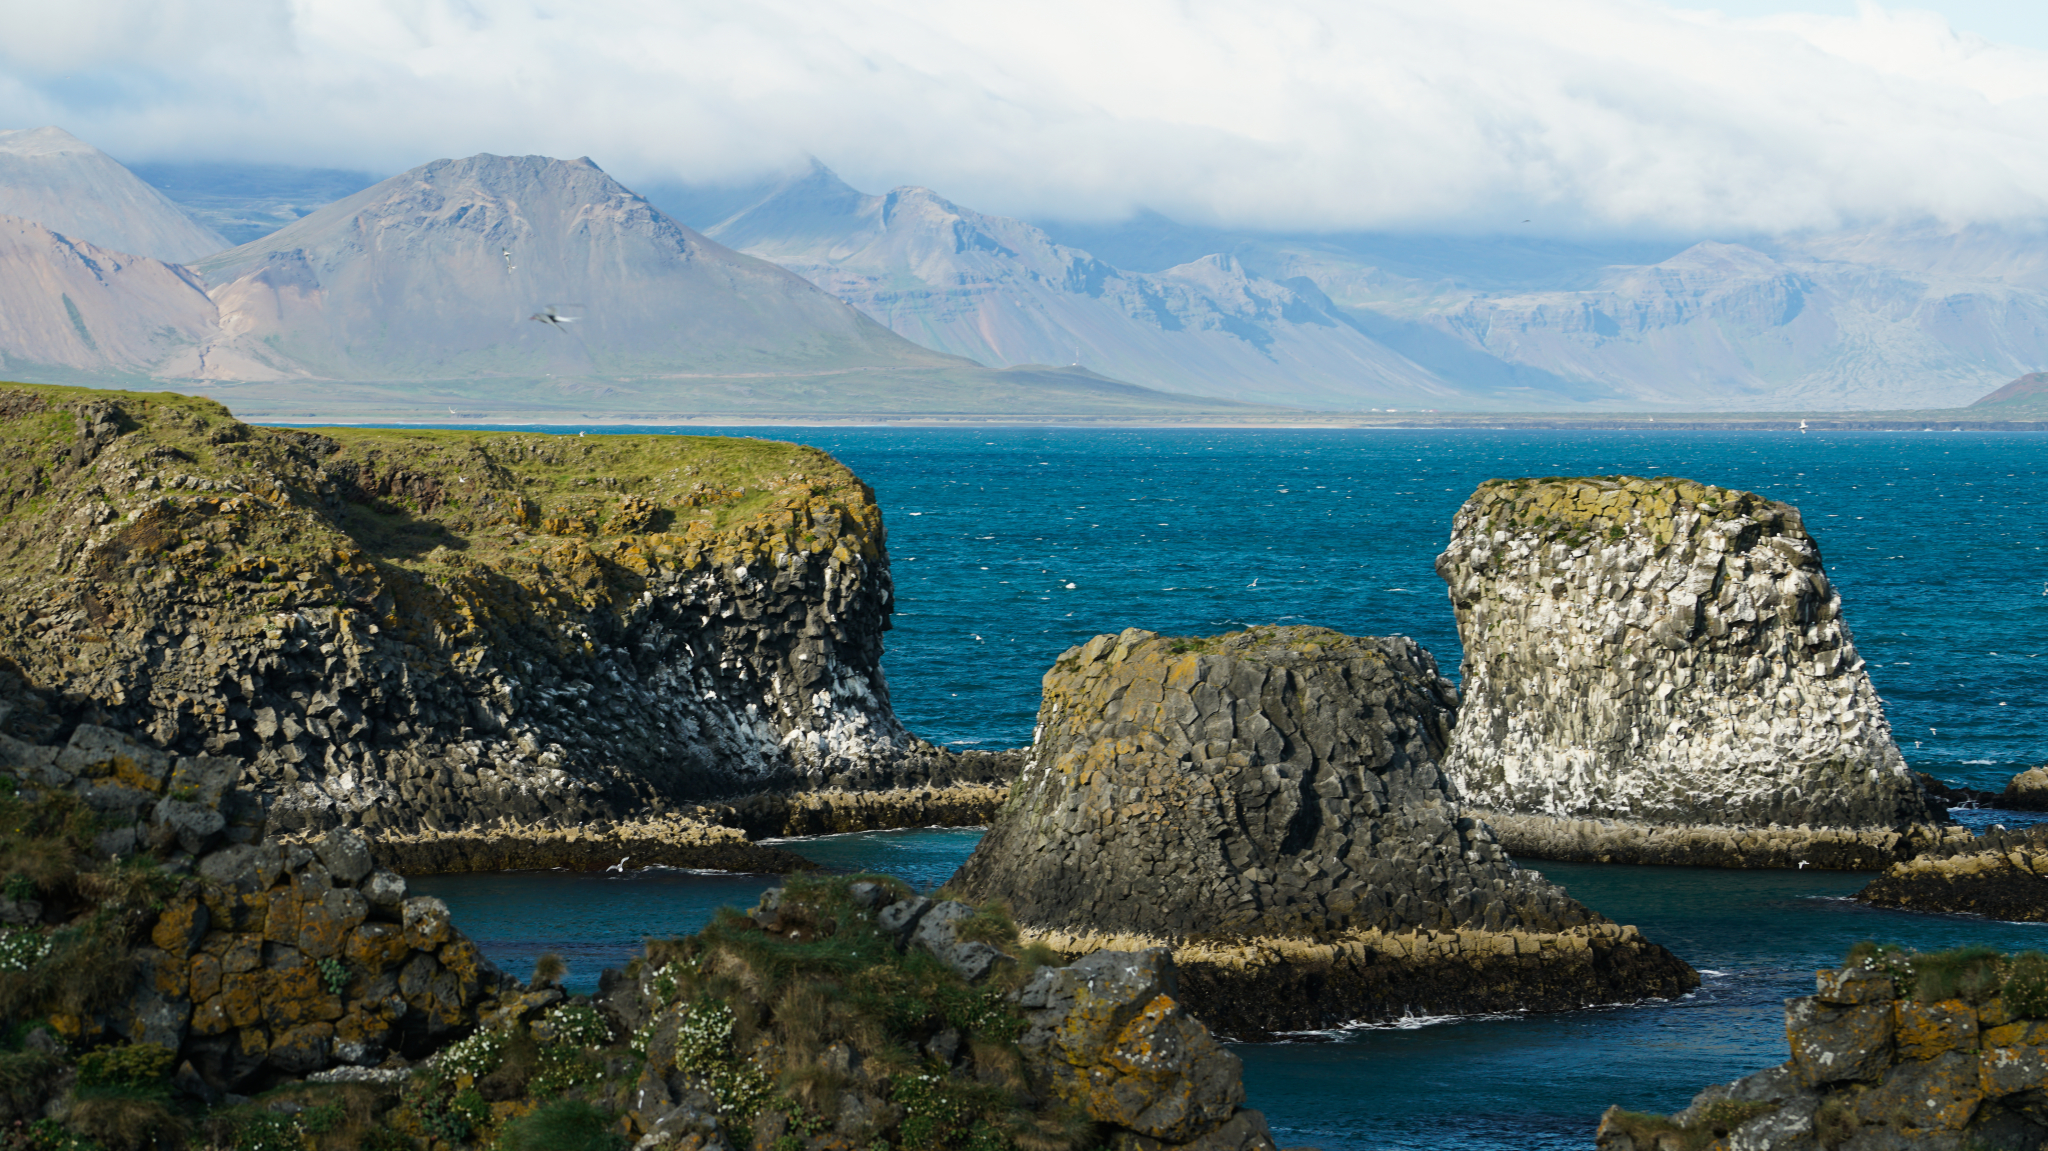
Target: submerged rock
(1657, 671)
(1270, 803)
(1944, 1052)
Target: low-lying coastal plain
(845, 769)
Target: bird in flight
(554, 317)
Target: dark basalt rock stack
(1657, 671)
(1275, 792)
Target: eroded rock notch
(1659, 671)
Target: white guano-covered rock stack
(1658, 671)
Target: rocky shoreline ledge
(1268, 804)
(1658, 671)
(1999, 875)
(1936, 1052)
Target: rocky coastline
(1941, 1052)
(1658, 671)
(428, 635)
(1268, 803)
(165, 962)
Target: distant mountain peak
(70, 187)
(48, 140)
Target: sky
(1580, 117)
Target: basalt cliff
(1269, 803)
(1658, 671)
(427, 635)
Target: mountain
(1001, 292)
(245, 202)
(1899, 316)
(68, 186)
(434, 274)
(71, 309)
(2028, 393)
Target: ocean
(1010, 545)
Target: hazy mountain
(82, 310)
(434, 274)
(68, 186)
(245, 202)
(1896, 317)
(1001, 292)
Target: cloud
(1583, 116)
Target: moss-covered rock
(1269, 803)
(434, 630)
(1942, 1051)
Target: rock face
(1658, 671)
(262, 960)
(1278, 784)
(438, 632)
(1880, 1063)
(2027, 791)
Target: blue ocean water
(1009, 545)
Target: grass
(564, 1125)
(399, 522)
(826, 991)
(1714, 1123)
(1974, 974)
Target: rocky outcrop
(255, 960)
(1999, 875)
(1270, 803)
(1657, 671)
(435, 632)
(1096, 1053)
(2027, 791)
(1938, 1052)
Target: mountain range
(804, 293)
(491, 283)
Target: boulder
(1283, 784)
(2027, 791)
(1658, 671)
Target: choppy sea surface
(1010, 545)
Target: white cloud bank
(1579, 115)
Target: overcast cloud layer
(1580, 115)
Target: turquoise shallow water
(1935, 539)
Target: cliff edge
(1269, 803)
(1658, 671)
(421, 632)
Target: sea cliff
(1269, 804)
(1658, 671)
(432, 633)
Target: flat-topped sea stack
(434, 634)
(1269, 804)
(1657, 671)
